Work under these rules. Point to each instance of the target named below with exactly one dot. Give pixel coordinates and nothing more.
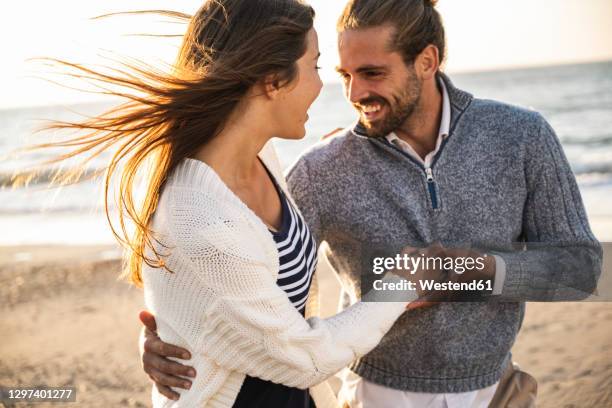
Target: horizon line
(335, 81)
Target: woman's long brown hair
(229, 46)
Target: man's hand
(165, 373)
(472, 274)
(330, 134)
(469, 265)
(436, 250)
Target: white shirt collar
(444, 120)
(442, 132)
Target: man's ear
(427, 62)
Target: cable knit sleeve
(563, 259)
(246, 322)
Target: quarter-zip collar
(459, 101)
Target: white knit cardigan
(221, 301)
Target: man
(428, 163)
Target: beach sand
(67, 321)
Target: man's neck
(422, 128)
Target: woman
(223, 253)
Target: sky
(481, 35)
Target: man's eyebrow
(317, 56)
(366, 68)
(372, 68)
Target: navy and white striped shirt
(297, 260)
(297, 254)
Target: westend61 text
(430, 284)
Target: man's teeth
(371, 108)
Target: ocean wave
(598, 140)
(76, 209)
(46, 176)
(582, 169)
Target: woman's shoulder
(197, 176)
(198, 210)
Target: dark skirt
(258, 393)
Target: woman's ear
(271, 86)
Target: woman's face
(295, 98)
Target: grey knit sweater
(500, 178)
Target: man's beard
(401, 108)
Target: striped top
(297, 254)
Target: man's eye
(372, 74)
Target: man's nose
(355, 91)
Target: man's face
(377, 81)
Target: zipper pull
(431, 186)
(429, 173)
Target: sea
(575, 99)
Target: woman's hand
(426, 298)
(163, 372)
